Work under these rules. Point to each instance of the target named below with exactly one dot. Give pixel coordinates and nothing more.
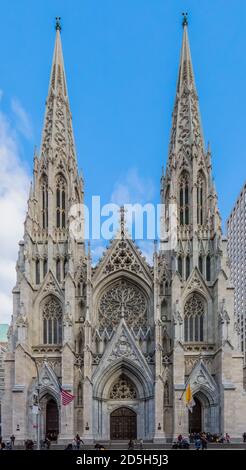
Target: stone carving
(177, 315)
(50, 286)
(223, 314)
(123, 258)
(195, 282)
(68, 319)
(123, 349)
(126, 300)
(123, 389)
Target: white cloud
(14, 184)
(23, 123)
(147, 249)
(133, 189)
(97, 249)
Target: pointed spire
(186, 134)
(57, 78)
(57, 138)
(186, 73)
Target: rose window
(123, 300)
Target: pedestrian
(204, 442)
(227, 438)
(130, 444)
(141, 444)
(198, 443)
(74, 444)
(12, 438)
(244, 437)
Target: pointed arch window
(184, 199)
(187, 266)
(208, 268)
(44, 202)
(80, 343)
(166, 394)
(58, 270)
(180, 265)
(52, 322)
(37, 270)
(200, 264)
(80, 395)
(45, 266)
(194, 319)
(60, 202)
(200, 199)
(65, 267)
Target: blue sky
(121, 60)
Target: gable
(123, 255)
(196, 283)
(122, 347)
(50, 286)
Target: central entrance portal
(52, 420)
(195, 418)
(123, 424)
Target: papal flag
(189, 402)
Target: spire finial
(122, 221)
(58, 23)
(185, 19)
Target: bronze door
(123, 424)
(195, 418)
(52, 420)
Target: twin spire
(58, 139)
(186, 134)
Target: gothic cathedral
(124, 337)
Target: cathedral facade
(125, 338)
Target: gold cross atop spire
(58, 23)
(185, 19)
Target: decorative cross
(58, 23)
(185, 19)
(122, 221)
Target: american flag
(66, 397)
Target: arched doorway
(52, 420)
(123, 424)
(195, 417)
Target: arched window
(200, 199)
(52, 322)
(80, 395)
(37, 269)
(180, 265)
(208, 268)
(44, 199)
(200, 264)
(166, 394)
(45, 266)
(60, 202)
(80, 343)
(65, 267)
(58, 270)
(184, 199)
(194, 319)
(187, 266)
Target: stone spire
(186, 135)
(57, 138)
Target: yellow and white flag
(189, 398)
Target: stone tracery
(123, 389)
(123, 299)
